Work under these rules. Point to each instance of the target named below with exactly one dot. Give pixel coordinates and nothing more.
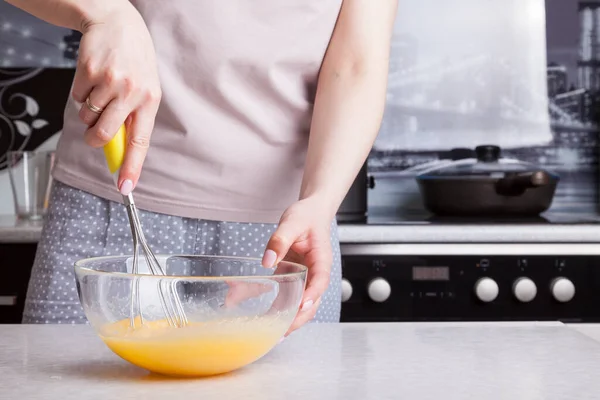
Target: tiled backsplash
(463, 73)
(509, 73)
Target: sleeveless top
(238, 79)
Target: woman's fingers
(317, 277)
(141, 123)
(111, 100)
(281, 240)
(242, 291)
(117, 99)
(107, 124)
(95, 104)
(138, 142)
(304, 317)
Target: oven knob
(346, 290)
(379, 290)
(524, 290)
(562, 289)
(486, 289)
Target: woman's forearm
(72, 14)
(350, 100)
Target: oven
(471, 282)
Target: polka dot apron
(80, 225)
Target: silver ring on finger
(92, 107)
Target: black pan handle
(516, 184)
(529, 179)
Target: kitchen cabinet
(16, 261)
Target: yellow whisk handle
(114, 151)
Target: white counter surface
(333, 361)
(13, 230)
(461, 233)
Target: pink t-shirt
(238, 78)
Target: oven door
(470, 282)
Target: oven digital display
(431, 273)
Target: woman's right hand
(117, 71)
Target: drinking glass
(30, 178)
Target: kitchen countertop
(340, 361)
(13, 230)
(461, 233)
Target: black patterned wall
(32, 101)
(37, 62)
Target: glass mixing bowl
(236, 310)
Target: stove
(422, 268)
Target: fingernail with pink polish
(269, 259)
(126, 187)
(281, 340)
(307, 305)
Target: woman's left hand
(303, 236)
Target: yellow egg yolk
(198, 349)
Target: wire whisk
(167, 289)
(114, 152)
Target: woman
(261, 114)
